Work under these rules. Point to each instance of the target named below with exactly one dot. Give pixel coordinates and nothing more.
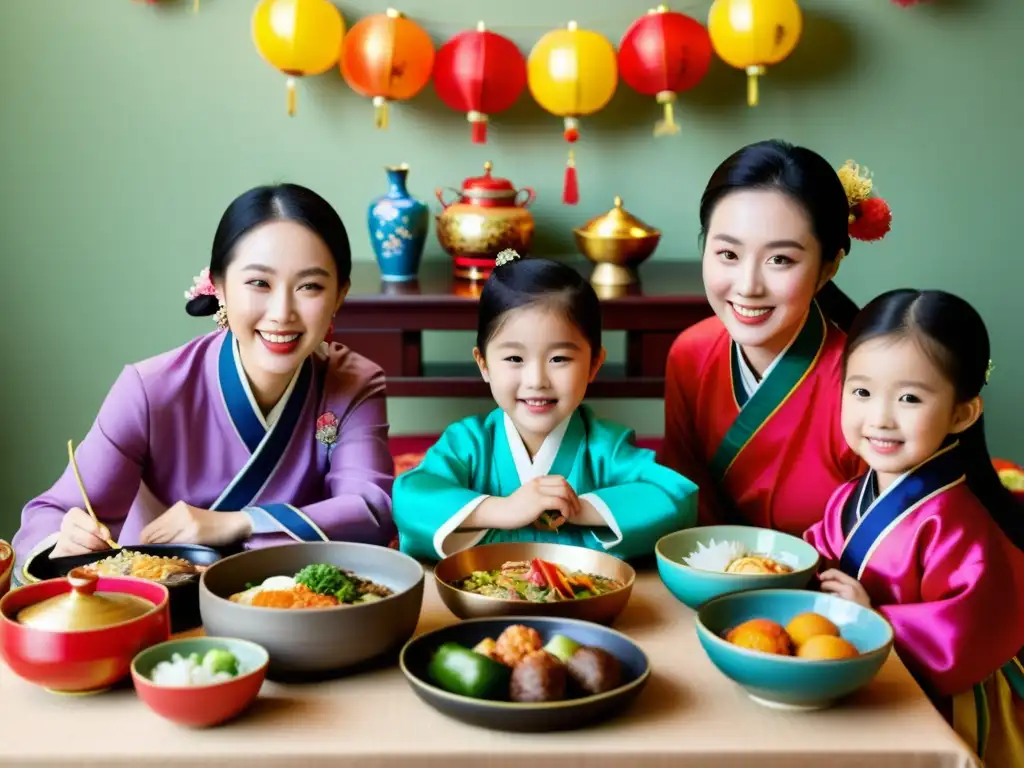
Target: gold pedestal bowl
(617, 242)
(601, 609)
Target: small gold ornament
(988, 371)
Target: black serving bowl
(184, 601)
(567, 714)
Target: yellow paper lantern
(572, 72)
(754, 34)
(298, 37)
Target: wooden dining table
(689, 714)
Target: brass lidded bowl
(603, 609)
(82, 607)
(617, 242)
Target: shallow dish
(694, 586)
(788, 682)
(201, 705)
(184, 603)
(315, 641)
(82, 660)
(603, 609)
(414, 661)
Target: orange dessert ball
(761, 635)
(807, 625)
(827, 647)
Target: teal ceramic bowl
(694, 586)
(790, 682)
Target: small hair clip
(870, 217)
(509, 254)
(988, 371)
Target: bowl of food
(6, 566)
(525, 673)
(698, 564)
(176, 566)
(200, 681)
(317, 607)
(792, 648)
(534, 579)
(79, 634)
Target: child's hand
(838, 583)
(550, 494)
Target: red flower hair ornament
(870, 216)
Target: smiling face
(898, 407)
(762, 267)
(281, 292)
(538, 365)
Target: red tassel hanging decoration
(571, 188)
(478, 127)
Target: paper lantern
(754, 34)
(298, 37)
(386, 57)
(571, 73)
(480, 73)
(662, 54)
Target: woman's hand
(80, 534)
(185, 524)
(839, 583)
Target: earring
(221, 317)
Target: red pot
(85, 655)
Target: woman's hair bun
(202, 306)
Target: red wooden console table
(386, 321)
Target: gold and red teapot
(488, 216)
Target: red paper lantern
(662, 54)
(480, 73)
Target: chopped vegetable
(324, 579)
(459, 670)
(220, 660)
(562, 647)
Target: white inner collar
(545, 458)
(275, 413)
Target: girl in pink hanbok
(928, 536)
(256, 433)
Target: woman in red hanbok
(752, 394)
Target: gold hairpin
(988, 371)
(509, 254)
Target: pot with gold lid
(488, 216)
(617, 242)
(79, 634)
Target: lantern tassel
(667, 126)
(478, 127)
(571, 187)
(195, 6)
(292, 97)
(380, 112)
(753, 73)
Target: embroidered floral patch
(327, 429)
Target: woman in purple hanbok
(257, 433)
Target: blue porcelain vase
(398, 225)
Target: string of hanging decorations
(571, 72)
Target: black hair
(523, 282)
(806, 177)
(279, 202)
(953, 335)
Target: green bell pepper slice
(459, 670)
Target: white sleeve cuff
(262, 521)
(447, 540)
(606, 513)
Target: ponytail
(983, 480)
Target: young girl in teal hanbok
(540, 466)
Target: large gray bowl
(315, 641)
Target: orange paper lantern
(386, 57)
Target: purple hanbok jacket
(184, 426)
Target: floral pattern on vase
(398, 225)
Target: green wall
(127, 128)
